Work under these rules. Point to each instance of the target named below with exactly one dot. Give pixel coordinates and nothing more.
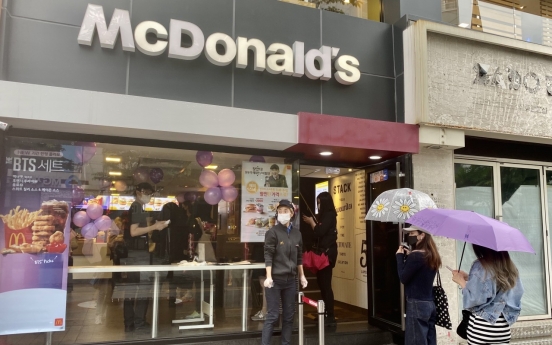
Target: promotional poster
(264, 185)
(34, 238)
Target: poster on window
(35, 235)
(263, 186)
(342, 191)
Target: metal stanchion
(49, 338)
(321, 308)
(155, 311)
(301, 320)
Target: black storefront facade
(139, 100)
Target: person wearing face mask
(137, 285)
(326, 233)
(283, 253)
(417, 272)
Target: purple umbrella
(472, 227)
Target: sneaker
(259, 316)
(194, 315)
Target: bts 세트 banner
(34, 240)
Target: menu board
(34, 238)
(263, 186)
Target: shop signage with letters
(278, 58)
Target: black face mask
(411, 240)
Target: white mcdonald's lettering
(14, 239)
(278, 58)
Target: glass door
(520, 196)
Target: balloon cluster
(141, 174)
(92, 220)
(219, 187)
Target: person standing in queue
(325, 232)
(417, 272)
(283, 254)
(138, 289)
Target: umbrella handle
(462, 256)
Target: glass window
(134, 205)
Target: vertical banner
(344, 198)
(263, 186)
(34, 240)
(361, 248)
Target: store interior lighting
(115, 173)
(375, 157)
(326, 153)
(113, 159)
(211, 167)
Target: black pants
(324, 279)
(135, 310)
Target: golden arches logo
(15, 239)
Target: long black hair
(326, 204)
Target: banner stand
(320, 307)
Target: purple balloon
(141, 174)
(89, 231)
(204, 158)
(81, 219)
(94, 211)
(77, 194)
(229, 193)
(226, 177)
(85, 152)
(257, 159)
(103, 223)
(156, 175)
(213, 195)
(208, 178)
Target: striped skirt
(482, 332)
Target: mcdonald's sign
(16, 239)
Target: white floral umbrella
(397, 205)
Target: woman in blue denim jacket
(492, 293)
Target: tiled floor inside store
(83, 324)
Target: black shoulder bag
(441, 305)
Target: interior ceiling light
(350, 169)
(329, 175)
(113, 159)
(112, 188)
(375, 157)
(326, 153)
(115, 173)
(212, 167)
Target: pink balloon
(208, 178)
(81, 219)
(77, 194)
(213, 195)
(120, 186)
(103, 223)
(229, 193)
(226, 177)
(85, 152)
(204, 158)
(89, 231)
(141, 174)
(258, 159)
(94, 211)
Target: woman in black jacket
(326, 233)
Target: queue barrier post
(301, 320)
(320, 308)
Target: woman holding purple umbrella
(417, 272)
(492, 293)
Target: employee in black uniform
(138, 284)
(284, 262)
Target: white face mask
(145, 199)
(284, 218)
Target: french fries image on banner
(19, 218)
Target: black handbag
(441, 305)
(462, 329)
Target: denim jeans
(284, 291)
(420, 322)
